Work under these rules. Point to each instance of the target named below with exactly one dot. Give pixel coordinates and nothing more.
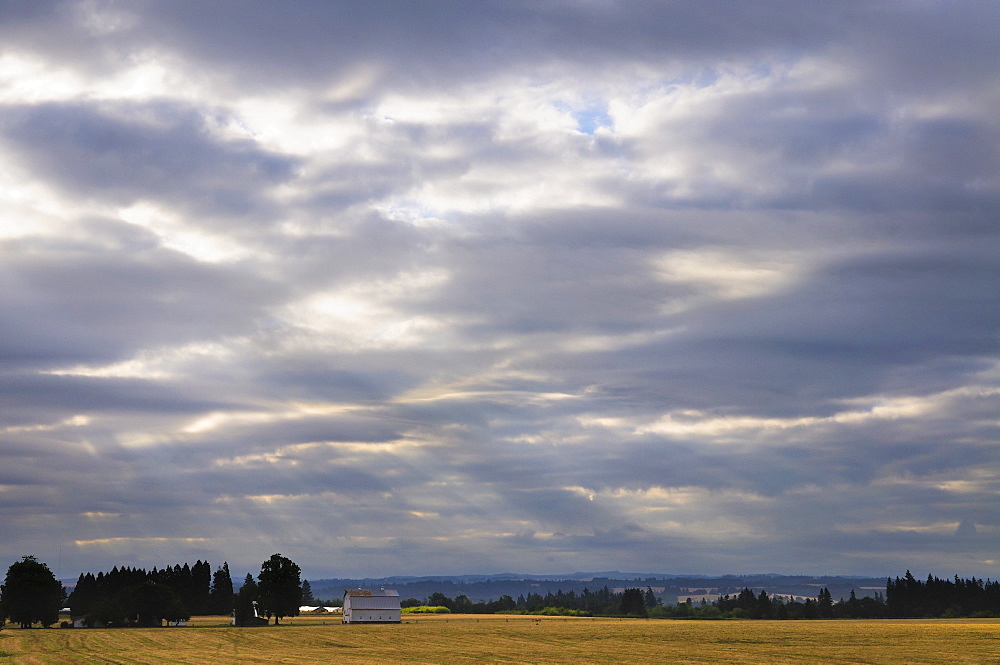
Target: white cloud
(366, 314)
(735, 428)
(729, 275)
(155, 364)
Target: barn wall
(372, 608)
(368, 616)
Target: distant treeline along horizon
(126, 596)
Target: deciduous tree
(30, 593)
(280, 588)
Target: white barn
(364, 606)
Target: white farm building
(364, 606)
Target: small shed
(365, 606)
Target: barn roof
(375, 603)
(357, 593)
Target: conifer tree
(824, 604)
(307, 594)
(632, 603)
(221, 596)
(243, 610)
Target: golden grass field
(517, 639)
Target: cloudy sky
(471, 287)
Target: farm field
(517, 639)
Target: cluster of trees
(177, 592)
(909, 597)
(137, 597)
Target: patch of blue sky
(589, 120)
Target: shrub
(426, 609)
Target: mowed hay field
(499, 639)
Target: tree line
(602, 602)
(117, 597)
(128, 596)
(748, 605)
(909, 597)
(136, 597)
(904, 598)
(636, 602)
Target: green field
(517, 639)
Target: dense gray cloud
(470, 287)
(150, 151)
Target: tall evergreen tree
(243, 603)
(201, 581)
(185, 586)
(824, 605)
(307, 594)
(221, 596)
(763, 607)
(84, 594)
(632, 603)
(746, 601)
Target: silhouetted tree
(632, 603)
(280, 592)
(763, 607)
(824, 604)
(201, 582)
(243, 609)
(30, 593)
(220, 598)
(84, 594)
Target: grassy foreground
(517, 639)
